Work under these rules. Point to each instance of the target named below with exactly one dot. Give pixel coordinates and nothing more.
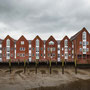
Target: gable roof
(51, 37)
(22, 37)
(75, 36)
(9, 37)
(37, 37)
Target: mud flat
(17, 80)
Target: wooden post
(75, 67)
(10, 65)
(50, 63)
(62, 66)
(18, 62)
(24, 66)
(36, 65)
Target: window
(18, 54)
(32, 48)
(62, 49)
(8, 55)
(22, 49)
(22, 55)
(8, 49)
(72, 56)
(53, 54)
(69, 55)
(66, 43)
(37, 55)
(4, 55)
(37, 42)
(0, 55)
(66, 55)
(87, 49)
(53, 49)
(4, 49)
(8, 42)
(48, 55)
(41, 49)
(84, 43)
(84, 35)
(80, 49)
(80, 43)
(51, 43)
(84, 49)
(37, 49)
(11, 55)
(62, 55)
(69, 49)
(11, 49)
(32, 54)
(22, 42)
(87, 43)
(48, 49)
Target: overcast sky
(43, 18)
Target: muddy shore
(18, 80)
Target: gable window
(22, 42)
(84, 35)
(37, 42)
(8, 42)
(66, 43)
(51, 43)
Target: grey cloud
(44, 16)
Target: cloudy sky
(43, 18)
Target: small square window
(87, 43)
(33, 55)
(48, 49)
(22, 42)
(32, 48)
(69, 55)
(87, 49)
(41, 49)
(80, 49)
(69, 49)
